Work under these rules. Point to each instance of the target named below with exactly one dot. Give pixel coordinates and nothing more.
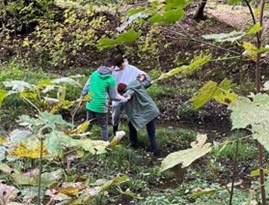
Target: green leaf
(94, 146)
(234, 1)
(45, 118)
(43, 83)
(81, 128)
(197, 63)
(175, 4)
(127, 37)
(55, 141)
(186, 157)
(135, 11)
(186, 69)
(91, 192)
(256, 172)
(3, 95)
(254, 113)
(31, 178)
(204, 95)
(167, 17)
(113, 182)
(222, 37)
(254, 29)
(6, 169)
(223, 94)
(18, 135)
(211, 90)
(156, 18)
(173, 16)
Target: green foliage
(221, 93)
(163, 12)
(252, 113)
(234, 1)
(246, 151)
(254, 29)
(157, 90)
(127, 37)
(3, 94)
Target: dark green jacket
(140, 109)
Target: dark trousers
(102, 121)
(151, 134)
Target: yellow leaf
(251, 50)
(69, 191)
(256, 172)
(81, 128)
(25, 43)
(2, 139)
(22, 151)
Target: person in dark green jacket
(141, 111)
(101, 86)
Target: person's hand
(128, 97)
(142, 77)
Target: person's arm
(145, 80)
(85, 89)
(129, 92)
(114, 95)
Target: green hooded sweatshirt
(101, 83)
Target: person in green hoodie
(101, 86)
(141, 110)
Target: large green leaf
(55, 141)
(186, 157)
(127, 37)
(221, 93)
(31, 178)
(204, 95)
(222, 37)
(167, 17)
(3, 95)
(254, 113)
(45, 118)
(94, 146)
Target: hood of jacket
(104, 72)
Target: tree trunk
(199, 14)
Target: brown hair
(119, 60)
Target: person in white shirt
(123, 73)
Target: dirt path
(235, 16)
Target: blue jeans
(102, 121)
(151, 134)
